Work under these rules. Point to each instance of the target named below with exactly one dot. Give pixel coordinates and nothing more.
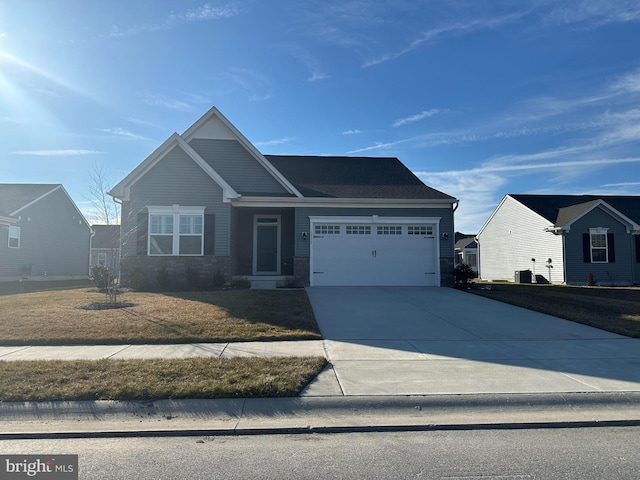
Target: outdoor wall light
(304, 235)
(445, 235)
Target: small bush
(193, 278)
(463, 274)
(100, 277)
(241, 283)
(591, 280)
(137, 278)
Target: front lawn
(614, 309)
(156, 379)
(57, 318)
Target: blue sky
(479, 99)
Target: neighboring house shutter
(637, 237)
(209, 228)
(142, 229)
(611, 247)
(586, 248)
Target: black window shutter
(209, 230)
(611, 246)
(586, 248)
(142, 229)
(637, 237)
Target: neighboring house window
(471, 259)
(102, 259)
(598, 245)
(179, 231)
(14, 237)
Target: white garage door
(359, 253)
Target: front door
(267, 246)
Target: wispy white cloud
(121, 132)
(257, 86)
(417, 117)
(591, 13)
(206, 12)
(622, 184)
(57, 153)
(352, 132)
(278, 141)
(171, 103)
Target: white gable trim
(498, 208)
(123, 189)
(188, 135)
(59, 187)
(630, 224)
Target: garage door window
(327, 229)
(420, 230)
(358, 230)
(390, 230)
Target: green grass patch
(12, 288)
(57, 317)
(156, 379)
(615, 309)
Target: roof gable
(16, 196)
(353, 177)
(122, 189)
(562, 210)
(105, 236)
(211, 126)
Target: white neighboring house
(571, 239)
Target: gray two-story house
(210, 201)
(43, 235)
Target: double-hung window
(176, 230)
(14, 237)
(598, 237)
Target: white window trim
(12, 228)
(102, 255)
(599, 231)
(175, 211)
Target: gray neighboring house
(43, 235)
(209, 200)
(563, 239)
(105, 247)
(466, 250)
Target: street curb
(305, 415)
(317, 430)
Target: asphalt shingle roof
(16, 195)
(353, 177)
(106, 236)
(560, 209)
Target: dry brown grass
(56, 317)
(156, 379)
(613, 309)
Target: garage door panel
(377, 258)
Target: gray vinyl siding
(619, 272)
(54, 241)
(512, 237)
(175, 179)
(237, 166)
(302, 223)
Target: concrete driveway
(419, 341)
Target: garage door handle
(374, 253)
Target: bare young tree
(104, 210)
